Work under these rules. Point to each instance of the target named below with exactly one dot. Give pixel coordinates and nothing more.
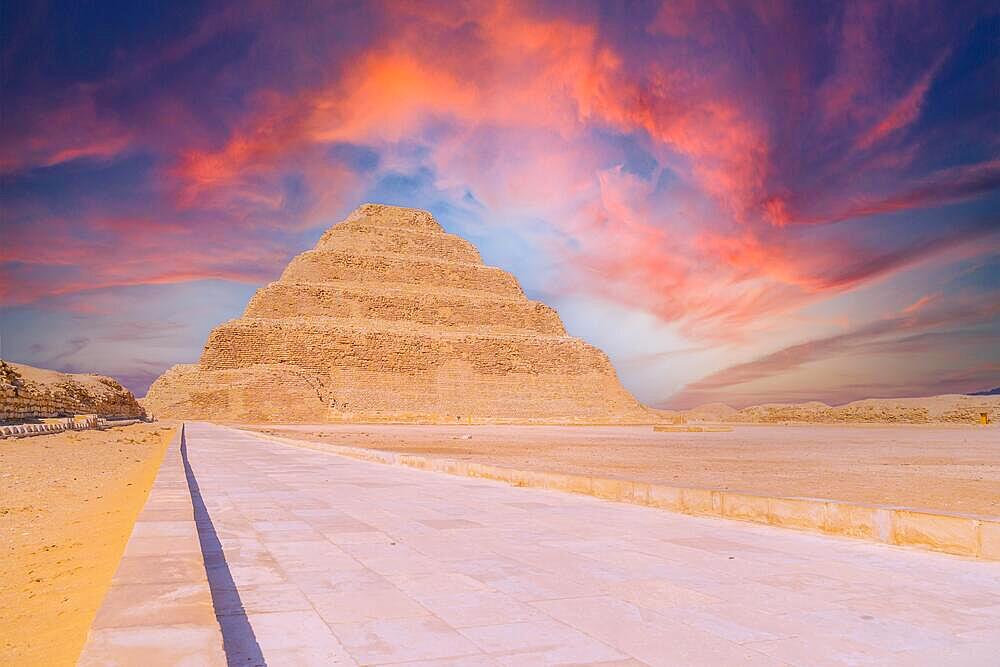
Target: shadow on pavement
(238, 638)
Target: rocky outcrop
(29, 393)
(390, 318)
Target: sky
(738, 202)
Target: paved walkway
(317, 559)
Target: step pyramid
(390, 318)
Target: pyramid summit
(390, 318)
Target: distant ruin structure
(29, 393)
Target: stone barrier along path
(328, 560)
(28, 430)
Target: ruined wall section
(28, 393)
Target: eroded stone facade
(389, 318)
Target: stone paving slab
(331, 560)
(159, 608)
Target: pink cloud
(127, 255)
(943, 187)
(68, 131)
(893, 333)
(541, 81)
(528, 73)
(914, 319)
(903, 112)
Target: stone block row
(325, 266)
(331, 343)
(290, 393)
(366, 238)
(57, 426)
(443, 309)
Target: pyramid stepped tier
(454, 309)
(452, 394)
(311, 343)
(389, 318)
(367, 238)
(322, 266)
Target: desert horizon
(717, 411)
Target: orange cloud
(44, 267)
(526, 72)
(518, 103)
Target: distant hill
(988, 392)
(948, 408)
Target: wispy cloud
(71, 348)
(907, 332)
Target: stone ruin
(390, 318)
(29, 393)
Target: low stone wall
(960, 534)
(59, 425)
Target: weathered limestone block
(989, 539)
(263, 393)
(391, 319)
(745, 507)
(953, 534)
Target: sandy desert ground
(67, 508)
(952, 468)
